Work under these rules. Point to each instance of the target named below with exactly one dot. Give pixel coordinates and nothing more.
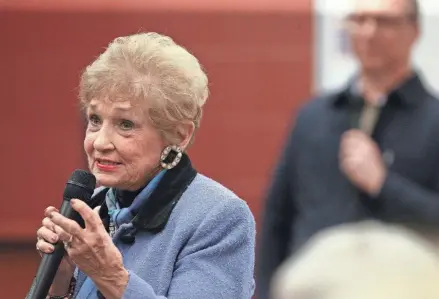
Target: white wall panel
(333, 61)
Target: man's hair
(415, 11)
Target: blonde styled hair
(149, 68)
(368, 260)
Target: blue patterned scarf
(119, 216)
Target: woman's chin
(106, 180)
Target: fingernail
(51, 215)
(54, 239)
(73, 202)
(51, 248)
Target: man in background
(369, 151)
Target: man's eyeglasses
(382, 21)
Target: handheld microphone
(369, 118)
(81, 185)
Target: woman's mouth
(106, 165)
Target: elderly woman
(163, 230)
(367, 260)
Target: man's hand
(361, 161)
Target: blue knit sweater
(206, 250)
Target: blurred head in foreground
(368, 260)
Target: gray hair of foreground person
(368, 260)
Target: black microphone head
(81, 185)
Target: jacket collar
(409, 93)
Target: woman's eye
(126, 125)
(94, 120)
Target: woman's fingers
(92, 220)
(52, 232)
(62, 234)
(65, 225)
(49, 211)
(47, 223)
(47, 235)
(44, 239)
(44, 247)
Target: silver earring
(171, 156)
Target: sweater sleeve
(216, 263)
(405, 201)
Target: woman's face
(122, 147)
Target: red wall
(259, 65)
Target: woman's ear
(185, 134)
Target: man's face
(382, 32)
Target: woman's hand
(92, 250)
(46, 237)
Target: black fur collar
(154, 214)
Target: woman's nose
(103, 141)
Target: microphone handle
(50, 262)
(369, 119)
